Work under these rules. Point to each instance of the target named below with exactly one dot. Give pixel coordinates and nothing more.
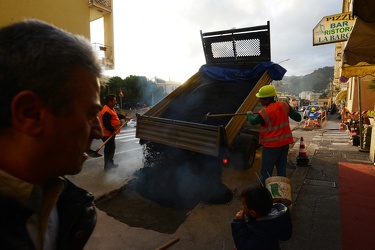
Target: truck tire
(244, 150)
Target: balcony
(105, 55)
(99, 8)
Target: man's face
(263, 101)
(112, 103)
(71, 134)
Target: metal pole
(360, 113)
(331, 104)
(283, 61)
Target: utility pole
(331, 85)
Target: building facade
(71, 15)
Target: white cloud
(161, 38)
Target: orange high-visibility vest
(115, 121)
(276, 132)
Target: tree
(136, 90)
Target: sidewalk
(332, 208)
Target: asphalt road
(206, 226)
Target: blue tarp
(231, 74)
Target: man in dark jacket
(49, 107)
(260, 224)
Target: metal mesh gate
(241, 47)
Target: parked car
(132, 123)
(318, 109)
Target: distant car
(132, 123)
(318, 109)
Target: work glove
(249, 113)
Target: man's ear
(27, 113)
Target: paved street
(315, 194)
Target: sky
(162, 38)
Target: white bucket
(280, 189)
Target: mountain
(317, 81)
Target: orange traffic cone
(302, 159)
(316, 123)
(342, 126)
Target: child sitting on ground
(261, 223)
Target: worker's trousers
(109, 151)
(272, 157)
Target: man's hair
(109, 98)
(40, 57)
(259, 199)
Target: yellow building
(71, 15)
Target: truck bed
(179, 120)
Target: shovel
(223, 115)
(95, 153)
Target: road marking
(120, 152)
(332, 136)
(128, 140)
(127, 136)
(129, 150)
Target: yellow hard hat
(312, 109)
(266, 91)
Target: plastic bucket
(280, 189)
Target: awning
(364, 9)
(341, 96)
(359, 53)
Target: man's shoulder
(105, 107)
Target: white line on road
(121, 152)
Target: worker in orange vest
(275, 132)
(110, 123)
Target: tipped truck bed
(187, 127)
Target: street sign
(333, 29)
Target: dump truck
(206, 115)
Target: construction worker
(110, 123)
(313, 115)
(275, 132)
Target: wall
(71, 15)
(367, 96)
